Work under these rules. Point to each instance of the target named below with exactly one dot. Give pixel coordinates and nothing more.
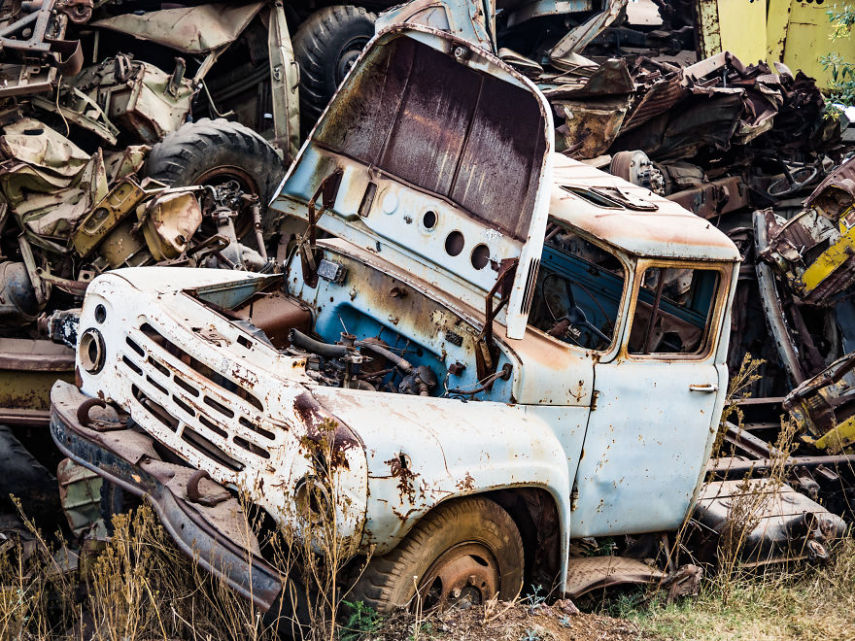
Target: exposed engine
(367, 364)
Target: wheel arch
(541, 517)
(538, 516)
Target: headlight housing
(92, 351)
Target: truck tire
(28, 480)
(463, 553)
(214, 151)
(326, 45)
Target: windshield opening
(578, 291)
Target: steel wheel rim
(464, 575)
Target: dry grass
(140, 588)
(811, 603)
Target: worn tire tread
(377, 582)
(197, 146)
(315, 43)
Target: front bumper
(210, 527)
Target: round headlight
(92, 350)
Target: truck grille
(202, 408)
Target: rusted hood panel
(444, 156)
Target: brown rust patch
(327, 440)
(466, 484)
(400, 467)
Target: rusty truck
(510, 356)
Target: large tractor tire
(463, 553)
(326, 45)
(212, 152)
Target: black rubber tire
(387, 582)
(29, 481)
(194, 154)
(326, 45)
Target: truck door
(653, 421)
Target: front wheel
(461, 554)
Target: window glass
(673, 311)
(578, 292)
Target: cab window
(674, 311)
(579, 290)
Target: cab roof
(632, 218)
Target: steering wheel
(573, 319)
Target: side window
(673, 312)
(579, 291)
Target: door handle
(705, 387)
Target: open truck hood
(436, 155)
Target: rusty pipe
(327, 350)
(301, 340)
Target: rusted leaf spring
(253, 578)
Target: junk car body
(487, 328)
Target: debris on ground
(516, 621)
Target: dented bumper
(203, 518)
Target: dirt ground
(560, 621)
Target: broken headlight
(92, 351)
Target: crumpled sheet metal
(612, 78)
(589, 129)
(29, 141)
(47, 180)
(822, 406)
(835, 195)
(579, 37)
(190, 30)
(594, 112)
(716, 103)
(49, 183)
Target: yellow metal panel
(777, 24)
(830, 260)
(808, 39)
(743, 29)
(837, 438)
(738, 26)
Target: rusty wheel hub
(464, 575)
(223, 174)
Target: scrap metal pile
(725, 139)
